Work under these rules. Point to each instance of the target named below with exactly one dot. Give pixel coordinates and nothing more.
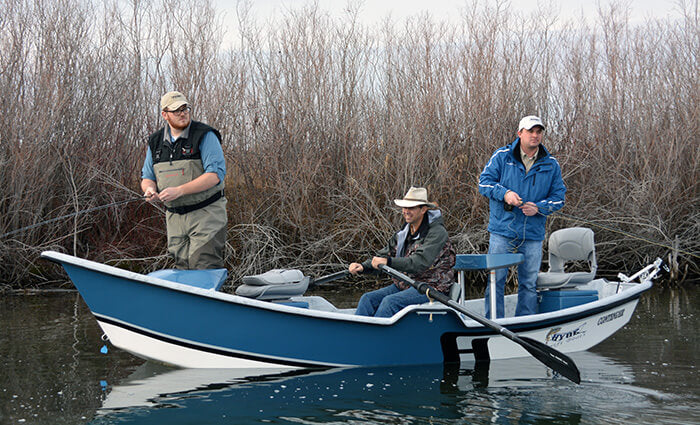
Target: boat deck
(602, 287)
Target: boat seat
(455, 291)
(276, 284)
(207, 279)
(566, 245)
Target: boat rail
(644, 275)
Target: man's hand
(151, 194)
(376, 261)
(529, 208)
(355, 268)
(512, 198)
(150, 190)
(170, 194)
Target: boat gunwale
(206, 293)
(515, 323)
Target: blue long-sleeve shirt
(213, 159)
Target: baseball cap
(530, 121)
(172, 100)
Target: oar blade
(554, 359)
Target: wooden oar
(552, 358)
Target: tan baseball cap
(172, 100)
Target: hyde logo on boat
(557, 336)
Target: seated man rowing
(421, 249)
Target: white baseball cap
(530, 121)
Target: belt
(189, 208)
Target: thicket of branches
(326, 121)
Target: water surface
(53, 372)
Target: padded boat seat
(207, 279)
(572, 244)
(298, 304)
(455, 291)
(274, 285)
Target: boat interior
(569, 281)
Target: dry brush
(327, 120)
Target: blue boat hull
(188, 326)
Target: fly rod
(63, 217)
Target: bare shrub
(326, 121)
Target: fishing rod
(85, 211)
(622, 232)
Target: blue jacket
(542, 185)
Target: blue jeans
(387, 301)
(527, 274)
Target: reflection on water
(512, 391)
(53, 373)
(483, 394)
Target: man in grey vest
(185, 168)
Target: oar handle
(329, 278)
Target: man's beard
(175, 124)
(179, 128)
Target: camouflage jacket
(427, 257)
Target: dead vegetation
(326, 121)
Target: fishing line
(608, 228)
(101, 207)
(622, 232)
(514, 248)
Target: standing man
(421, 249)
(185, 168)
(524, 185)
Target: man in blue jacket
(524, 185)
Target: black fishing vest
(181, 162)
(183, 148)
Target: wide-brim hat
(171, 101)
(415, 196)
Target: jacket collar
(542, 152)
(428, 219)
(169, 138)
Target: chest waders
(196, 223)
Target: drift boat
(181, 318)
